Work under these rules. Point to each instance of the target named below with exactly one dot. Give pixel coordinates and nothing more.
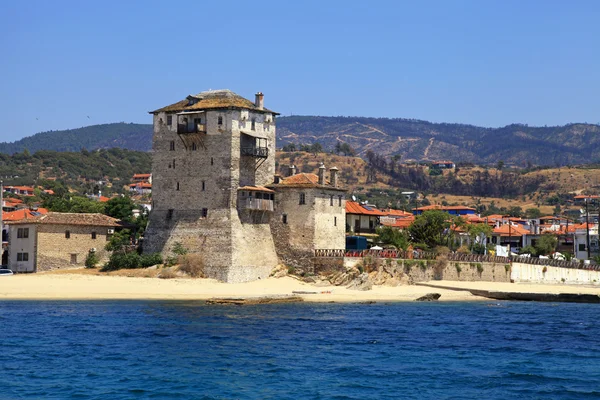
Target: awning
(190, 112)
(255, 134)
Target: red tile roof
(22, 214)
(256, 189)
(401, 223)
(86, 219)
(141, 176)
(396, 213)
(353, 207)
(444, 208)
(514, 230)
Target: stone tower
(212, 155)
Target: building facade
(58, 240)
(309, 214)
(213, 154)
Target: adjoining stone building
(309, 214)
(58, 240)
(214, 190)
(210, 151)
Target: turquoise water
(187, 350)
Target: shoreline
(69, 285)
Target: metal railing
(255, 151)
(424, 255)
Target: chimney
(322, 174)
(333, 173)
(292, 170)
(259, 100)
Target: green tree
(395, 237)
(546, 244)
(432, 228)
(477, 230)
(515, 211)
(533, 213)
(118, 241)
(120, 208)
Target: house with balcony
(362, 218)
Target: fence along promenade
(425, 255)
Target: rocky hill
(515, 144)
(421, 140)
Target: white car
(6, 272)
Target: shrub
(422, 265)
(148, 260)
(528, 250)
(122, 261)
(408, 264)
(178, 249)
(193, 265)
(291, 270)
(463, 249)
(91, 260)
(544, 270)
(167, 274)
(479, 268)
(507, 267)
(458, 268)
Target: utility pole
(587, 228)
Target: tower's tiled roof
(212, 99)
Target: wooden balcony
(258, 152)
(191, 128)
(249, 203)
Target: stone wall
(55, 251)
(547, 274)
(427, 270)
(313, 225)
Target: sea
(190, 350)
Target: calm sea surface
(187, 350)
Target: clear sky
(67, 64)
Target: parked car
(5, 272)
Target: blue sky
(488, 63)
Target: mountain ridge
(517, 144)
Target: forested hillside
(122, 135)
(82, 169)
(516, 144)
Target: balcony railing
(195, 128)
(255, 151)
(257, 204)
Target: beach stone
(279, 271)
(429, 297)
(362, 282)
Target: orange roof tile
(57, 218)
(396, 213)
(353, 207)
(141, 176)
(401, 223)
(22, 214)
(508, 230)
(256, 189)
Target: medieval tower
(213, 154)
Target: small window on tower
(177, 185)
(302, 199)
(172, 145)
(169, 120)
(205, 213)
(67, 234)
(170, 213)
(203, 186)
(334, 221)
(212, 161)
(194, 148)
(220, 120)
(253, 126)
(340, 200)
(93, 235)
(173, 163)
(331, 200)
(284, 218)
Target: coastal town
(216, 201)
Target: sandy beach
(73, 286)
